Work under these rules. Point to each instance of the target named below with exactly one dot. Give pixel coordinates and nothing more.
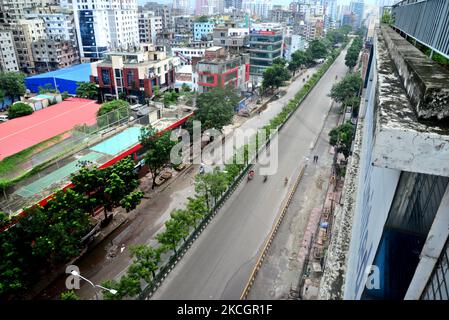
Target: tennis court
(120, 142)
(56, 176)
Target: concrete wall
(375, 192)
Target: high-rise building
(357, 8)
(181, 7)
(260, 8)
(8, 58)
(150, 26)
(104, 25)
(61, 43)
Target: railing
(425, 21)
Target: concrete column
(431, 251)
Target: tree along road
(219, 263)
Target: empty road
(220, 262)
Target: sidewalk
(282, 267)
(105, 262)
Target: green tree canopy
(12, 84)
(216, 108)
(317, 49)
(19, 109)
(274, 77)
(347, 88)
(158, 148)
(341, 137)
(87, 90)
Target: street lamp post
(77, 274)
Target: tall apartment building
(221, 69)
(150, 26)
(357, 8)
(265, 45)
(162, 11)
(181, 7)
(231, 38)
(8, 58)
(236, 4)
(25, 33)
(13, 10)
(261, 8)
(59, 48)
(134, 73)
(105, 24)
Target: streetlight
(77, 274)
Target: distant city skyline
(281, 2)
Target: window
(105, 77)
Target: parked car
(3, 118)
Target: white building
(149, 26)
(8, 58)
(260, 8)
(186, 54)
(105, 25)
(297, 42)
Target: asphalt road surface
(220, 262)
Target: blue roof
(78, 73)
(64, 79)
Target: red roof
(24, 132)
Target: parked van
(3, 117)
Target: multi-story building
(390, 239)
(8, 58)
(61, 43)
(294, 43)
(265, 44)
(25, 33)
(183, 24)
(181, 7)
(357, 8)
(202, 29)
(150, 26)
(13, 10)
(230, 37)
(163, 11)
(221, 69)
(105, 25)
(186, 54)
(261, 8)
(349, 19)
(280, 15)
(54, 54)
(235, 4)
(134, 73)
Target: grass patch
(10, 163)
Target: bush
(64, 95)
(19, 109)
(111, 106)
